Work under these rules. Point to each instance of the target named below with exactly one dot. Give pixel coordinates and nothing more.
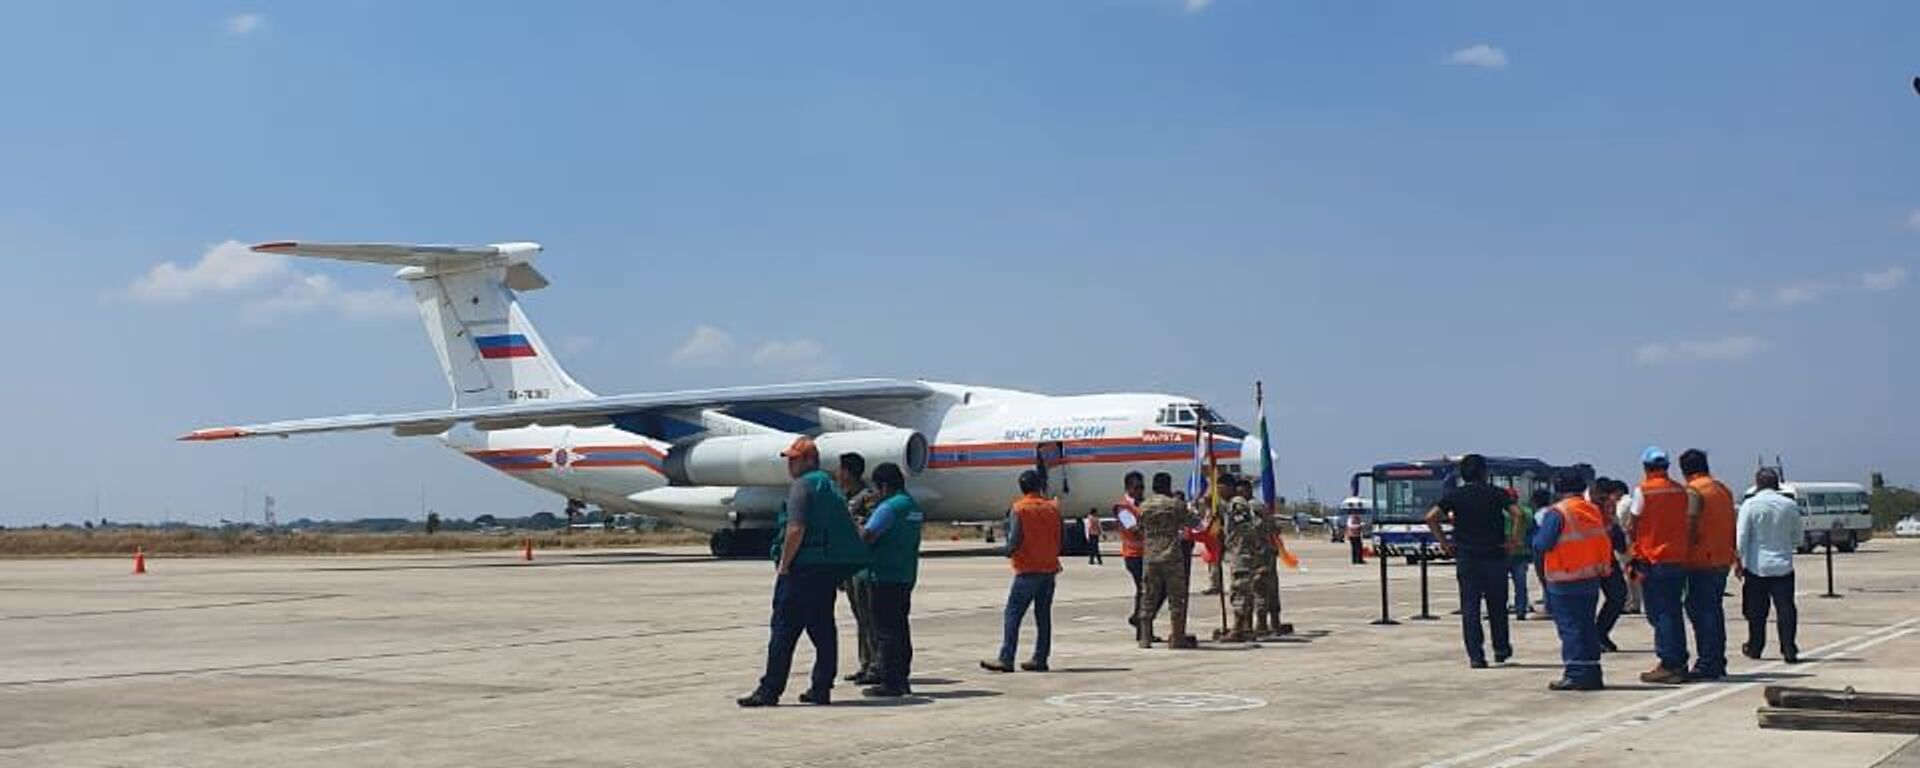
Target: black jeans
(1613, 587)
(802, 602)
(893, 639)
(1757, 594)
(1483, 583)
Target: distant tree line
(1891, 504)
(434, 523)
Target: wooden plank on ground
(1825, 720)
(1845, 701)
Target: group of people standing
(838, 532)
(1596, 541)
(1157, 532)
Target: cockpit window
(1190, 414)
(1187, 415)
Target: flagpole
(1213, 504)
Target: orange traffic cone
(139, 561)
(526, 549)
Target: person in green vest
(815, 547)
(893, 534)
(1520, 561)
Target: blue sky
(1564, 230)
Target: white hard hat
(1354, 502)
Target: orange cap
(802, 447)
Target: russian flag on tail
(504, 346)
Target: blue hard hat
(1653, 456)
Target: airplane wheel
(1850, 544)
(753, 542)
(721, 544)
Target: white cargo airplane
(710, 459)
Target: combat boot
(1181, 639)
(1143, 634)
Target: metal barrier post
(1830, 592)
(1425, 615)
(1386, 615)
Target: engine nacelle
(748, 460)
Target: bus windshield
(1407, 500)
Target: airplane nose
(1250, 448)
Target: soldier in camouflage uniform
(1162, 518)
(1246, 550)
(1267, 595)
(861, 499)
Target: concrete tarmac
(634, 658)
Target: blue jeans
(1660, 598)
(1573, 616)
(802, 602)
(1707, 612)
(1036, 590)
(1519, 569)
(1483, 582)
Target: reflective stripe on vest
(1660, 531)
(1131, 543)
(1715, 546)
(1584, 550)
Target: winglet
(215, 433)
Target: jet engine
(748, 460)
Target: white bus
(1835, 512)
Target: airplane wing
(596, 411)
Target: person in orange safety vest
(1710, 519)
(1576, 554)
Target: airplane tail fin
(488, 350)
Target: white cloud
(706, 347)
(1810, 291)
(1800, 293)
(225, 268)
(798, 356)
(1197, 6)
(1699, 350)
(317, 293)
(1884, 280)
(1482, 55)
(272, 286)
(243, 24)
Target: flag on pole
(1268, 494)
(1197, 479)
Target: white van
(1836, 512)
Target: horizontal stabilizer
(516, 257)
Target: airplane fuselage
(980, 440)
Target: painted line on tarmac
(1581, 721)
(1591, 736)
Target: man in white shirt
(1768, 531)
(1625, 510)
